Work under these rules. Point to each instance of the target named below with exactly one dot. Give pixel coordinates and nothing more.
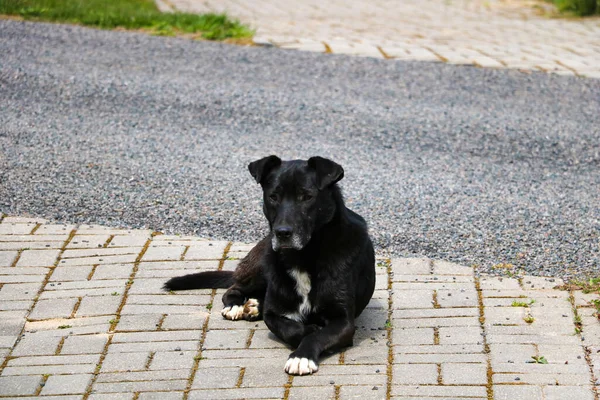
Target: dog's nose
(283, 232)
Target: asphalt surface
(464, 164)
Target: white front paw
(300, 366)
(233, 312)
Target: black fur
(311, 232)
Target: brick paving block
(99, 252)
(229, 339)
(156, 253)
(167, 360)
(31, 245)
(541, 379)
(264, 339)
(78, 273)
(436, 313)
(267, 376)
(314, 46)
(533, 339)
(160, 396)
(168, 299)
(457, 298)
(412, 299)
(111, 396)
(437, 322)
(129, 241)
(412, 336)
(415, 374)
(14, 306)
(498, 283)
(568, 393)
(520, 392)
(435, 358)
(21, 278)
(448, 268)
(81, 241)
(464, 374)
(132, 337)
(506, 315)
(66, 384)
(438, 392)
(113, 271)
(160, 308)
(53, 324)
(363, 392)
(440, 349)
(33, 344)
(312, 393)
(216, 378)
(319, 379)
(115, 361)
(7, 341)
(54, 229)
(184, 321)
(411, 266)
(100, 260)
(366, 353)
(7, 228)
(19, 385)
(11, 327)
(460, 335)
(89, 344)
(7, 258)
(183, 345)
(539, 283)
(505, 353)
(139, 376)
(143, 322)
(241, 393)
(54, 308)
(127, 387)
(206, 250)
(38, 258)
(54, 360)
(50, 369)
(98, 305)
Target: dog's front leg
(336, 335)
(290, 331)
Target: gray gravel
(470, 165)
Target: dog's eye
(273, 197)
(305, 197)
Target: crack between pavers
(110, 238)
(16, 260)
(115, 321)
(287, 387)
(240, 377)
(182, 257)
(36, 298)
(92, 272)
(389, 328)
(198, 356)
(586, 350)
(486, 346)
(35, 228)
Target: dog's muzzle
(285, 238)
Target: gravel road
(464, 164)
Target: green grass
(580, 8)
(522, 303)
(127, 14)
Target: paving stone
(156, 336)
(38, 258)
(411, 391)
(89, 344)
(412, 336)
(542, 379)
(160, 396)
(182, 345)
(517, 393)
(184, 321)
(155, 253)
(143, 376)
(99, 252)
(66, 384)
(229, 339)
(411, 266)
(81, 241)
(7, 258)
(111, 396)
(116, 361)
(411, 299)
(101, 260)
(325, 380)
(19, 385)
(447, 268)
(264, 339)
(206, 251)
(415, 374)
(245, 393)
(116, 271)
(167, 360)
(312, 393)
(126, 387)
(464, 374)
(568, 393)
(129, 241)
(460, 335)
(216, 378)
(33, 344)
(457, 298)
(16, 229)
(143, 322)
(54, 360)
(268, 376)
(50, 369)
(363, 392)
(54, 229)
(21, 278)
(98, 305)
(53, 308)
(78, 273)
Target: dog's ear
(260, 168)
(328, 172)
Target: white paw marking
(233, 312)
(300, 366)
(251, 307)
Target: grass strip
(127, 14)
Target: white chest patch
(303, 289)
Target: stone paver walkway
(82, 315)
(487, 33)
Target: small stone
(375, 388)
(331, 382)
(376, 371)
(177, 348)
(579, 357)
(517, 379)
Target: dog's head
(298, 197)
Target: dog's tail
(201, 280)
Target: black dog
(315, 271)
